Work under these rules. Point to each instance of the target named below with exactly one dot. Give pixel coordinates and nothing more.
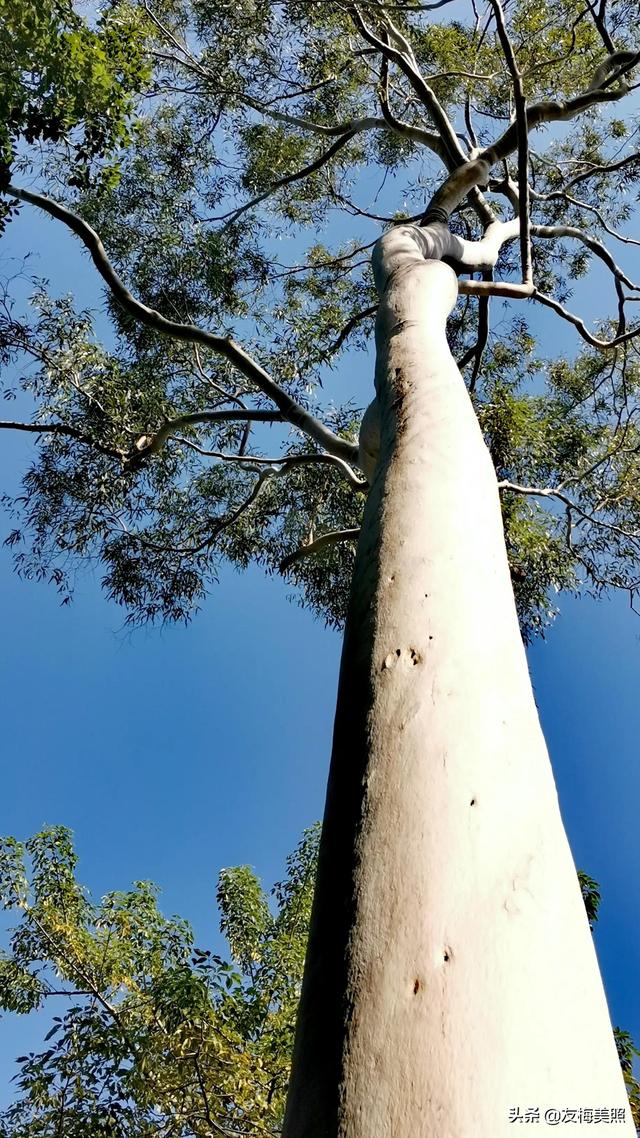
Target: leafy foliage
(239, 162)
(627, 1051)
(65, 82)
(590, 896)
(155, 1035)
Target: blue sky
(173, 753)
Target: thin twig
(348, 328)
(219, 526)
(483, 336)
(317, 164)
(147, 445)
(288, 460)
(570, 505)
(63, 429)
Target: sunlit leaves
(627, 1054)
(627, 1050)
(64, 81)
(570, 426)
(240, 893)
(590, 895)
(541, 563)
(151, 1033)
(20, 990)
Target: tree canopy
(237, 163)
(68, 83)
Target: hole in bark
(416, 986)
(415, 656)
(431, 638)
(447, 955)
(473, 802)
(398, 652)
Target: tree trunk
(450, 975)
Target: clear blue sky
(173, 753)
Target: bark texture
(450, 973)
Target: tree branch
(79, 970)
(63, 429)
(447, 145)
(570, 505)
(398, 126)
(250, 460)
(553, 61)
(482, 255)
(578, 323)
(292, 411)
(219, 526)
(515, 291)
(355, 126)
(481, 343)
(147, 445)
(592, 243)
(215, 1126)
(475, 171)
(349, 327)
(605, 168)
(317, 164)
(561, 195)
(283, 467)
(598, 8)
(230, 396)
(357, 211)
(329, 263)
(334, 537)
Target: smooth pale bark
(450, 973)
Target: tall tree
(450, 975)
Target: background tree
(234, 101)
(154, 1036)
(627, 1051)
